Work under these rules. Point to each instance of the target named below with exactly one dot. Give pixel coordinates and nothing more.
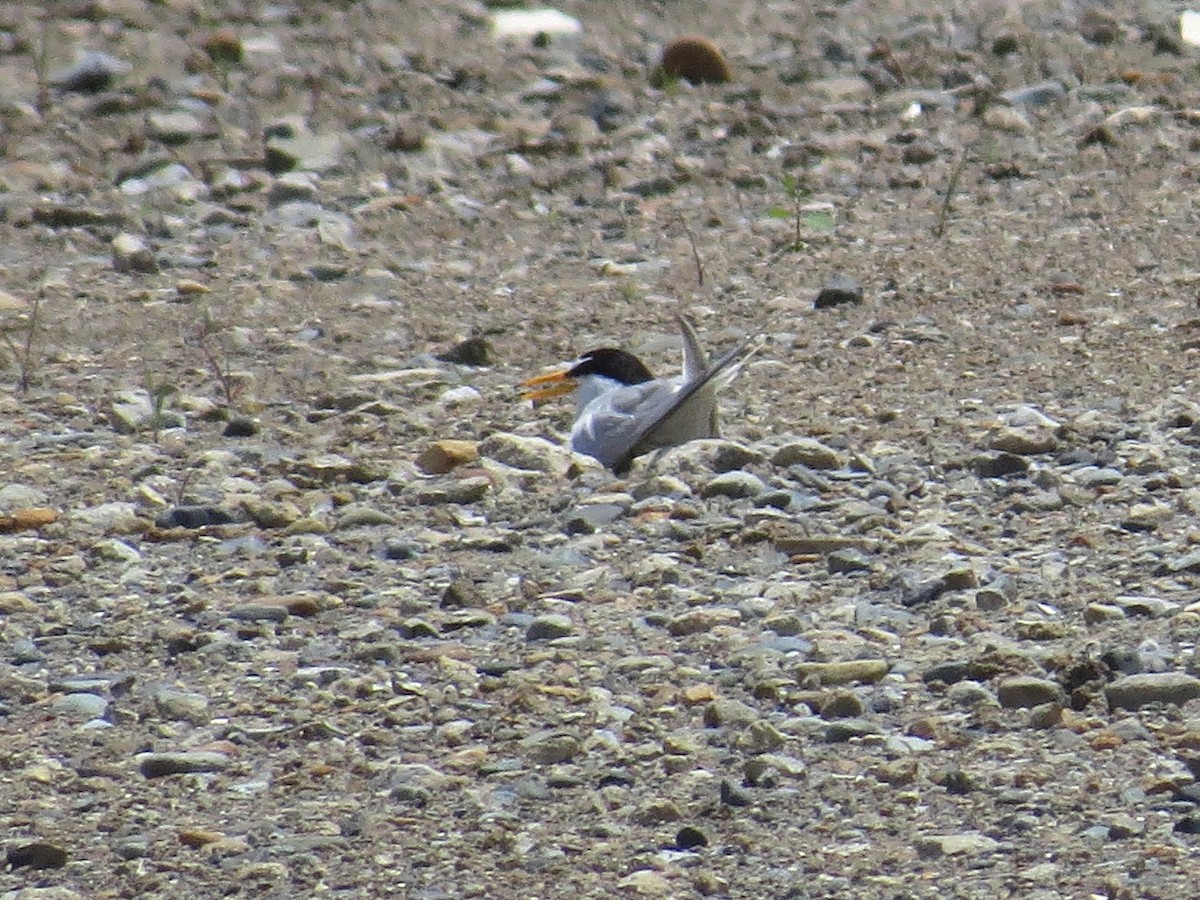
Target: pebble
(837, 291)
(765, 767)
(303, 215)
(1121, 827)
(702, 621)
(1188, 562)
(461, 491)
(240, 427)
(840, 731)
(842, 705)
(725, 712)
(694, 59)
(816, 545)
(292, 187)
(970, 693)
(1094, 477)
(156, 765)
(182, 705)
(91, 684)
(549, 628)
(116, 551)
(172, 179)
(80, 707)
(16, 496)
(732, 795)
(175, 127)
(1136, 691)
(1041, 94)
(23, 650)
(854, 671)
(529, 453)
(965, 844)
(116, 516)
(271, 514)
(36, 855)
(134, 411)
(1024, 691)
(57, 215)
(999, 465)
(990, 600)
(656, 812)
(646, 883)
(528, 24)
(806, 452)
(591, 517)
(131, 848)
(1148, 607)
(92, 72)
(289, 148)
(259, 612)
(360, 515)
(847, 561)
(198, 516)
(1097, 613)
(1024, 441)
(474, 351)
(443, 456)
(550, 748)
(132, 253)
(416, 628)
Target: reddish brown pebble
(695, 59)
(198, 837)
(442, 456)
(1062, 288)
(27, 519)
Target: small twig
(181, 492)
(207, 329)
(22, 353)
(160, 393)
(951, 186)
(41, 65)
(695, 252)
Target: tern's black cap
(609, 362)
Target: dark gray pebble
(240, 426)
(194, 517)
(690, 838)
(156, 765)
(838, 290)
(847, 561)
(999, 465)
(472, 352)
(36, 855)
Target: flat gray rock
(1135, 691)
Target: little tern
(622, 411)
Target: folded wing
(613, 422)
(687, 414)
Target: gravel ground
(297, 597)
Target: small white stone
(1189, 27)
(459, 395)
(528, 23)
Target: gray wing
(614, 421)
(690, 404)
